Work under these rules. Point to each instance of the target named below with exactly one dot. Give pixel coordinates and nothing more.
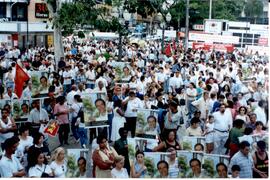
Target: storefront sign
(41, 10)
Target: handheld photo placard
(40, 84)
(21, 110)
(95, 111)
(211, 160)
(184, 158)
(73, 156)
(147, 125)
(194, 143)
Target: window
(19, 12)
(3, 9)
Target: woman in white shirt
(38, 167)
(242, 114)
(59, 163)
(119, 171)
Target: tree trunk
(57, 33)
(58, 45)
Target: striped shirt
(244, 162)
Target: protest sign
(184, 158)
(211, 160)
(190, 142)
(147, 125)
(95, 111)
(72, 157)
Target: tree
(68, 17)
(253, 9)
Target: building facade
(25, 23)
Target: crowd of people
(222, 97)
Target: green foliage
(131, 151)
(150, 166)
(187, 146)
(88, 105)
(183, 166)
(16, 109)
(71, 166)
(254, 8)
(118, 73)
(208, 166)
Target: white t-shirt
(119, 174)
(131, 105)
(9, 166)
(67, 74)
(37, 170)
(59, 170)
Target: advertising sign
(218, 47)
(208, 38)
(41, 10)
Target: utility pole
(187, 24)
(210, 9)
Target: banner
(95, 110)
(210, 46)
(147, 125)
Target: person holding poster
(133, 103)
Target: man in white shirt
(175, 82)
(10, 166)
(100, 78)
(133, 104)
(10, 95)
(38, 117)
(67, 75)
(71, 94)
(202, 105)
(222, 125)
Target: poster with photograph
(119, 71)
(190, 142)
(72, 162)
(183, 158)
(147, 125)
(95, 110)
(150, 160)
(211, 160)
(21, 110)
(40, 84)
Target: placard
(72, 162)
(189, 142)
(147, 127)
(95, 110)
(211, 160)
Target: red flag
(52, 128)
(20, 78)
(168, 50)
